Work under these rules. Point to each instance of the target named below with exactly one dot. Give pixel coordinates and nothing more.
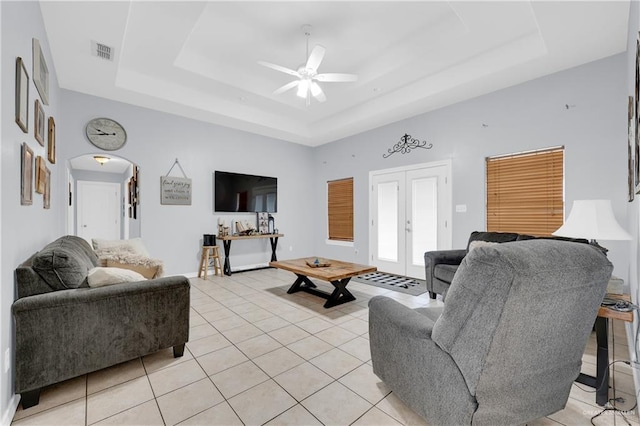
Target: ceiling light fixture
(101, 159)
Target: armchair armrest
(390, 315)
(448, 257)
(439, 257)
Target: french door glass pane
(424, 217)
(388, 221)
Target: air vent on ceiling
(102, 50)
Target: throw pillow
(134, 244)
(99, 276)
(64, 263)
(146, 271)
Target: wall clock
(106, 134)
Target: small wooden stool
(209, 252)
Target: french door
(410, 211)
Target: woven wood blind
(340, 197)
(525, 192)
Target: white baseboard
(233, 270)
(7, 416)
(250, 267)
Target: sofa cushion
(65, 263)
(99, 276)
(445, 272)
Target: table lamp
(593, 220)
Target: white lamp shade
(593, 220)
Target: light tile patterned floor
(259, 356)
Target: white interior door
(98, 210)
(411, 214)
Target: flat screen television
(235, 192)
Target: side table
(602, 354)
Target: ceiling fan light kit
(307, 74)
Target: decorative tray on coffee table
(317, 263)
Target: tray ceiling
(199, 59)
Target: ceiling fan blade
(286, 87)
(317, 54)
(336, 77)
(280, 68)
(317, 92)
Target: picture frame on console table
(263, 222)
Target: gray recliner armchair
(508, 343)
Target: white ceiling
(199, 59)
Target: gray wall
(25, 229)
(155, 140)
(520, 118)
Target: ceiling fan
(307, 74)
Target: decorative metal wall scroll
(406, 144)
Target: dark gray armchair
(509, 341)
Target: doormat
(399, 283)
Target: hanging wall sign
(175, 190)
(405, 145)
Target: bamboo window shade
(525, 192)
(340, 201)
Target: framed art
(26, 180)
(41, 175)
(51, 143)
(636, 118)
(22, 96)
(46, 197)
(39, 123)
(40, 72)
(630, 149)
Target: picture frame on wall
(41, 175)
(40, 72)
(39, 123)
(51, 145)
(46, 196)
(26, 179)
(630, 149)
(22, 96)
(636, 149)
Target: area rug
(408, 285)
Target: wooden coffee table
(338, 273)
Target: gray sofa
(441, 265)
(64, 328)
(508, 343)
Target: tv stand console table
(226, 243)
